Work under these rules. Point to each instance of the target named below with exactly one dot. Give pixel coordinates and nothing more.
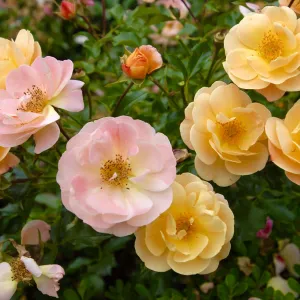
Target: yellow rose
(263, 52)
(23, 51)
(227, 132)
(193, 235)
(284, 142)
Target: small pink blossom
(26, 106)
(116, 175)
(87, 2)
(265, 232)
(46, 277)
(33, 231)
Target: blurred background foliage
(100, 266)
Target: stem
(291, 3)
(103, 18)
(183, 96)
(22, 180)
(71, 117)
(190, 11)
(121, 98)
(90, 104)
(63, 131)
(213, 61)
(91, 29)
(165, 91)
(188, 51)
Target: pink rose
(26, 106)
(33, 230)
(265, 232)
(116, 175)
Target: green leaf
(142, 291)
(230, 281)
(89, 68)
(4, 183)
(265, 277)
(71, 295)
(279, 212)
(240, 289)
(151, 15)
(50, 200)
(121, 79)
(294, 285)
(223, 292)
(178, 64)
(127, 39)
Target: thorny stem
(291, 3)
(63, 131)
(121, 98)
(165, 91)
(103, 18)
(91, 29)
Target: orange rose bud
(67, 10)
(144, 60)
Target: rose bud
(67, 10)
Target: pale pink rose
(251, 7)
(27, 103)
(7, 160)
(177, 4)
(25, 269)
(33, 231)
(116, 175)
(265, 232)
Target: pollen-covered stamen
(231, 131)
(35, 100)
(116, 172)
(271, 46)
(19, 271)
(184, 225)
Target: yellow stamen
(231, 131)
(20, 273)
(35, 102)
(116, 172)
(184, 225)
(271, 46)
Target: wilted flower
(206, 287)
(34, 231)
(284, 143)
(245, 265)
(279, 264)
(25, 269)
(144, 60)
(67, 10)
(7, 160)
(193, 235)
(23, 51)
(262, 52)
(116, 175)
(265, 232)
(291, 255)
(280, 284)
(227, 131)
(295, 6)
(27, 103)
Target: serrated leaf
(178, 64)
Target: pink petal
(7, 286)
(31, 266)
(33, 230)
(46, 137)
(8, 162)
(47, 286)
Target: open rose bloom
(26, 270)
(7, 160)
(144, 60)
(193, 235)
(26, 106)
(227, 132)
(263, 52)
(284, 142)
(116, 175)
(23, 51)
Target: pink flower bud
(87, 2)
(265, 232)
(67, 10)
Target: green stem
(213, 61)
(165, 91)
(91, 29)
(22, 180)
(120, 99)
(183, 96)
(103, 17)
(190, 11)
(64, 133)
(187, 50)
(90, 104)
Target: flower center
(116, 172)
(271, 46)
(20, 273)
(231, 131)
(35, 100)
(184, 225)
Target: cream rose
(263, 52)
(284, 142)
(193, 235)
(226, 130)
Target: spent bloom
(265, 232)
(284, 142)
(295, 6)
(67, 10)
(227, 132)
(144, 60)
(26, 106)
(168, 33)
(25, 270)
(23, 51)
(34, 231)
(291, 255)
(7, 160)
(116, 175)
(263, 53)
(193, 235)
(280, 284)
